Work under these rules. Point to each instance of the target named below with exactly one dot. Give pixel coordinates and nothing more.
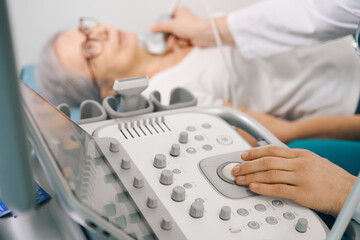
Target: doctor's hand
(296, 174)
(187, 27)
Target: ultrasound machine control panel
(176, 167)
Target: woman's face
(117, 54)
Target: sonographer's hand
(297, 174)
(186, 26)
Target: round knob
(166, 177)
(166, 223)
(197, 209)
(160, 161)
(114, 147)
(225, 213)
(175, 150)
(125, 164)
(184, 137)
(138, 182)
(178, 194)
(151, 202)
(301, 225)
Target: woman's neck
(150, 65)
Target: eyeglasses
(357, 40)
(91, 47)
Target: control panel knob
(160, 161)
(197, 209)
(301, 225)
(114, 147)
(138, 182)
(178, 194)
(166, 177)
(151, 202)
(166, 223)
(184, 137)
(225, 213)
(175, 150)
(125, 164)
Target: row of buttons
(301, 225)
(138, 182)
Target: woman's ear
(106, 91)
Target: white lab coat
(274, 26)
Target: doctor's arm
(332, 127)
(270, 26)
(296, 174)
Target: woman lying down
(83, 64)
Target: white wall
(35, 21)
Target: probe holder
(179, 98)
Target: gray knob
(301, 225)
(178, 194)
(114, 147)
(197, 209)
(184, 137)
(175, 150)
(166, 177)
(151, 202)
(125, 164)
(160, 161)
(138, 182)
(225, 213)
(166, 223)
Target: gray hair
(59, 86)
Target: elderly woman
(83, 64)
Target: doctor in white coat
(264, 29)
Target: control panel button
(178, 194)
(225, 213)
(271, 220)
(242, 212)
(206, 125)
(138, 182)
(277, 203)
(160, 161)
(151, 202)
(191, 128)
(121, 222)
(191, 150)
(301, 225)
(224, 140)
(253, 225)
(166, 177)
(207, 147)
(176, 171)
(184, 137)
(187, 185)
(235, 229)
(289, 216)
(109, 209)
(125, 164)
(175, 150)
(260, 207)
(199, 138)
(166, 223)
(197, 209)
(114, 146)
(227, 171)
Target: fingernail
(236, 169)
(241, 178)
(244, 155)
(253, 185)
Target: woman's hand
(295, 174)
(185, 26)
